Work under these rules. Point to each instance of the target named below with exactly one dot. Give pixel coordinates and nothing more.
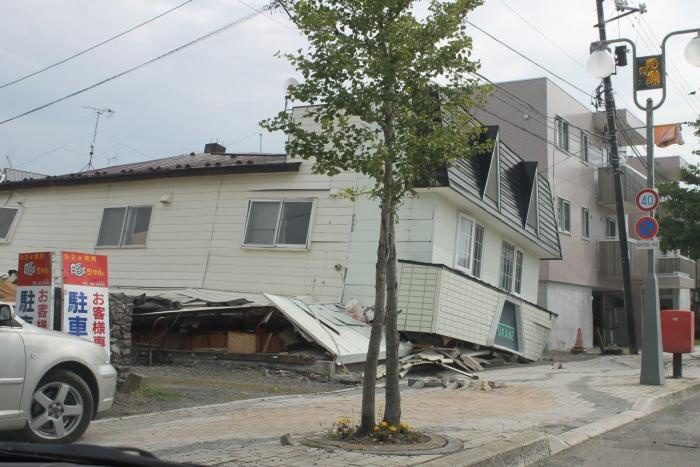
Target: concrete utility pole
(617, 179)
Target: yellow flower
(376, 428)
(384, 424)
(392, 429)
(404, 426)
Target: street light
(649, 74)
(692, 51)
(601, 63)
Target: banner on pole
(86, 297)
(35, 289)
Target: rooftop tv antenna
(107, 112)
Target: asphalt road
(667, 438)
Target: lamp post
(649, 74)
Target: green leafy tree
(369, 75)
(679, 218)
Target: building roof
(186, 165)
(519, 196)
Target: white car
(51, 384)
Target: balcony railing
(610, 265)
(610, 261)
(632, 182)
(675, 265)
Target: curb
(528, 447)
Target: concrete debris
(132, 383)
(348, 379)
(286, 440)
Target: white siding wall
(414, 234)
(196, 240)
(438, 300)
(447, 213)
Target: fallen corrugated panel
(190, 297)
(345, 338)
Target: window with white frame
(564, 215)
(478, 250)
(584, 146)
(8, 220)
(507, 260)
(519, 260)
(585, 223)
(610, 227)
(124, 226)
(278, 223)
(562, 133)
(512, 263)
(470, 245)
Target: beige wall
(195, 241)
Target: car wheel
(61, 409)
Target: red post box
(678, 336)
(678, 331)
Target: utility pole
(108, 113)
(617, 179)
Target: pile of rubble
(455, 360)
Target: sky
(221, 88)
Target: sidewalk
(541, 408)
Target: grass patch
(159, 394)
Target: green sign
(649, 73)
(507, 330)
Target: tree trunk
(369, 380)
(392, 408)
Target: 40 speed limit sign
(647, 199)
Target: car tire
(61, 409)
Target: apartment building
(566, 137)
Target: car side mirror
(6, 313)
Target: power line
(60, 62)
(653, 35)
(554, 43)
(586, 93)
(144, 64)
(648, 40)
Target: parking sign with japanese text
(86, 297)
(34, 289)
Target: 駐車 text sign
(86, 297)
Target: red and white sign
(646, 227)
(34, 289)
(86, 297)
(647, 199)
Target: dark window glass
(111, 227)
(294, 223)
(7, 218)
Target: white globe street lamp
(692, 51)
(601, 63)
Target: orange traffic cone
(578, 345)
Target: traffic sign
(652, 244)
(647, 199)
(646, 228)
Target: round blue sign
(646, 227)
